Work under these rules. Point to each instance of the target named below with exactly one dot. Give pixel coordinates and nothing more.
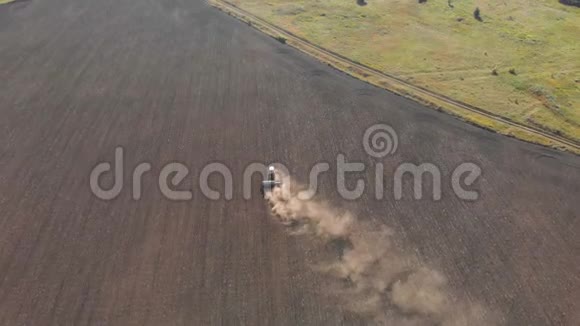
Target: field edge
(467, 113)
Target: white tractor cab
(270, 183)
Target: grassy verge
(519, 62)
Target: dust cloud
(372, 277)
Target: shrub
(281, 39)
(477, 14)
(571, 2)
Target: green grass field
(447, 50)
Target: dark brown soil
(179, 81)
